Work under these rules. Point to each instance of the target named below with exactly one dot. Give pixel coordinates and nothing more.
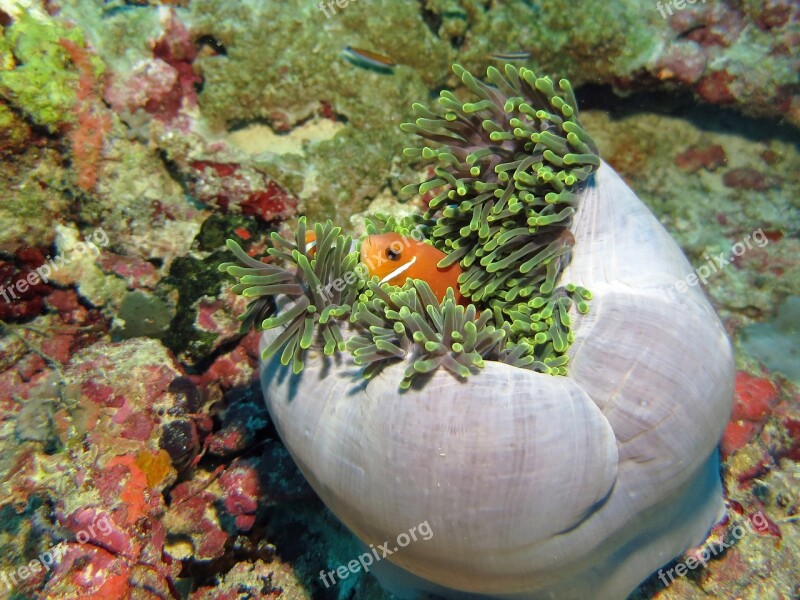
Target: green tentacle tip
(526, 128)
(413, 316)
(314, 304)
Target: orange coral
(154, 464)
(134, 491)
(92, 119)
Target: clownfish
(311, 244)
(394, 258)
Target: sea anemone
(537, 481)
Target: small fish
(108, 12)
(510, 55)
(311, 244)
(369, 60)
(395, 258)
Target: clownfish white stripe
(398, 270)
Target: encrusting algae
(508, 170)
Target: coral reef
(136, 137)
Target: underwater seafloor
(136, 137)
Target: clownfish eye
(392, 254)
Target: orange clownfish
(394, 258)
(311, 244)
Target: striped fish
(366, 59)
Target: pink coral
(239, 188)
(715, 87)
(89, 573)
(695, 158)
(163, 84)
(241, 490)
(748, 178)
(684, 61)
(189, 515)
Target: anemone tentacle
(410, 320)
(312, 282)
(509, 169)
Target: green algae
(142, 315)
(309, 68)
(38, 83)
(121, 39)
(217, 228)
(583, 44)
(192, 278)
(36, 72)
(31, 188)
(13, 130)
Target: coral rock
(89, 573)
(241, 490)
(753, 402)
(234, 187)
(747, 178)
(695, 158)
(754, 399)
(715, 88)
(191, 514)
